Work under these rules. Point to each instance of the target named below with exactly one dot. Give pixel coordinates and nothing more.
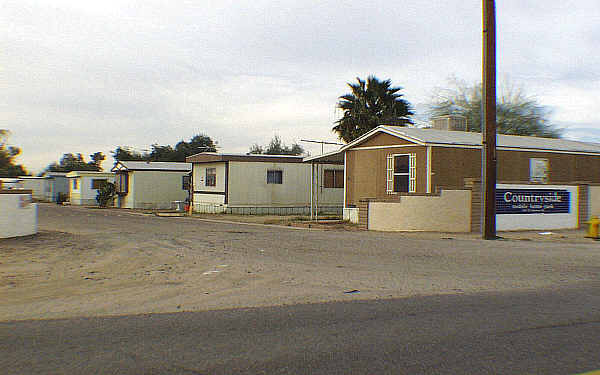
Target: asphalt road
(537, 332)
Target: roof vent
(450, 122)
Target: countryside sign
(532, 201)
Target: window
(75, 183)
(122, 183)
(186, 182)
(274, 177)
(211, 177)
(333, 178)
(401, 173)
(98, 183)
(538, 170)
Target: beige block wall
(448, 212)
(155, 189)
(594, 200)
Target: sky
(84, 76)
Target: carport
(318, 176)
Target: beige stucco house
(401, 178)
(84, 185)
(150, 185)
(263, 184)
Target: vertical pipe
(488, 154)
(312, 183)
(317, 195)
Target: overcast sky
(86, 76)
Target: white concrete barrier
(351, 215)
(594, 201)
(18, 215)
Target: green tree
(277, 147)
(516, 112)
(75, 162)
(256, 149)
(125, 153)
(162, 153)
(8, 168)
(371, 103)
(97, 159)
(198, 143)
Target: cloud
(83, 76)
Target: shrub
(106, 194)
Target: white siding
(214, 195)
(155, 189)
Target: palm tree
(371, 103)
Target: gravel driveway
(90, 262)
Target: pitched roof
(332, 157)
(434, 137)
(152, 166)
(89, 174)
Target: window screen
(333, 178)
(274, 177)
(211, 177)
(98, 183)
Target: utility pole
(488, 149)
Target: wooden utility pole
(488, 149)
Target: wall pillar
(583, 205)
(476, 199)
(363, 214)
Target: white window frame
(412, 173)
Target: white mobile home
(59, 186)
(8, 183)
(84, 186)
(262, 184)
(39, 186)
(150, 185)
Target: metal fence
(267, 210)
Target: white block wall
(18, 216)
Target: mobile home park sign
(532, 201)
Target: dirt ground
(90, 262)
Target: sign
(532, 201)
(538, 170)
